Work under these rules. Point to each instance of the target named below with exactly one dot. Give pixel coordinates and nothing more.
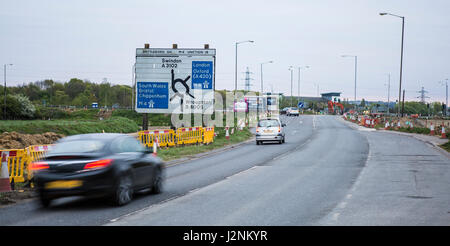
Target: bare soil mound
(14, 140)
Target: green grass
(69, 127)
(446, 146)
(220, 141)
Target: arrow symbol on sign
(151, 103)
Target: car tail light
(257, 129)
(98, 164)
(38, 166)
(279, 129)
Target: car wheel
(283, 141)
(158, 181)
(257, 143)
(123, 192)
(45, 202)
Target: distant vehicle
(270, 129)
(106, 165)
(293, 112)
(94, 105)
(284, 110)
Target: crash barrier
(166, 138)
(19, 159)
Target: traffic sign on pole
(175, 80)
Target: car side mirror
(283, 125)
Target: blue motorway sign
(301, 104)
(152, 95)
(202, 75)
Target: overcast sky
(93, 40)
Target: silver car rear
(270, 130)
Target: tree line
(49, 93)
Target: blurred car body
(270, 129)
(105, 164)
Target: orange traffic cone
(443, 135)
(4, 174)
(227, 134)
(386, 126)
(431, 129)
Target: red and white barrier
(4, 175)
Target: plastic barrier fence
(166, 138)
(16, 164)
(208, 135)
(189, 135)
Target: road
(327, 173)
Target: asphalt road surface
(327, 173)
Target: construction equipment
(335, 107)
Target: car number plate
(267, 131)
(63, 184)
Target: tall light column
(4, 90)
(235, 70)
(401, 60)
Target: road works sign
(175, 80)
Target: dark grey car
(109, 165)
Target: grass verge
(69, 127)
(220, 141)
(446, 146)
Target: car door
(143, 167)
(132, 157)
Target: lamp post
(235, 70)
(262, 87)
(446, 95)
(401, 59)
(356, 65)
(389, 90)
(4, 90)
(299, 75)
(291, 68)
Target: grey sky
(97, 39)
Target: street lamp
(4, 90)
(401, 58)
(356, 64)
(299, 72)
(389, 90)
(291, 68)
(235, 70)
(446, 95)
(262, 87)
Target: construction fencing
(19, 159)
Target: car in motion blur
(270, 129)
(106, 165)
(293, 112)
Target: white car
(293, 111)
(269, 130)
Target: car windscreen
(78, 146)
(269, 123)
